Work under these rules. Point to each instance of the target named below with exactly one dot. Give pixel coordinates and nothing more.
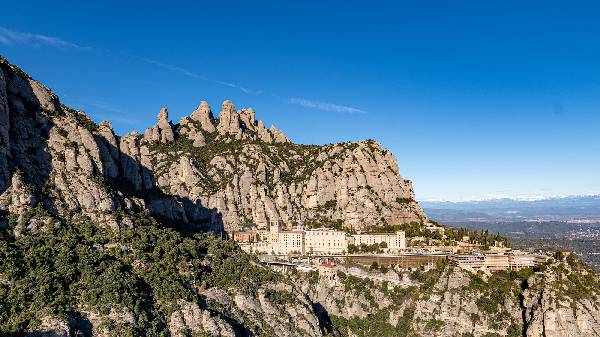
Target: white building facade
(323, 241)
(394, 242)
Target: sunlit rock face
(226, 172)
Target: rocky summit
(106, 235)
(223, 173)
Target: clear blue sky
(475, 98)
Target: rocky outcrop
(356, 183)
(453, 307)
(278, 136)
(162, 131)
(190, 129)
(53, 155)
(560, 302)
(103, 324)
(19, 198)
(247, 118)
(109, 149)
(236, 173)
(263, 134)
(87, 322)
(52, 327)
(190, 318)
(266, 312)
(131, 161)
(279, 308)
(229, 120)
(203, 115)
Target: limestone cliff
(560, 299)
(75, 279)
(219, 173)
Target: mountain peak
(203, 172)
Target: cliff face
(219, 173)
(563, 299)
(72, 278)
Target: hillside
(103, 235)
(76, 279)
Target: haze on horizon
(475, 99)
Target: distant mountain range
(572, 209)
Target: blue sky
(475, 98)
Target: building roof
(327, 265)
(380, 234)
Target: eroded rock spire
(204, 116)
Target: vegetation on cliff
(74, 267)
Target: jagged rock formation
(191, 318)
(162, 131)
(561, 300)
(229, 121)
(203, 115)
(264, 310)
(222, 174)
(87, 245)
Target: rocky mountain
(102, 235)
(220, 173)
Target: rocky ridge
(220, 173)
(560, 299)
